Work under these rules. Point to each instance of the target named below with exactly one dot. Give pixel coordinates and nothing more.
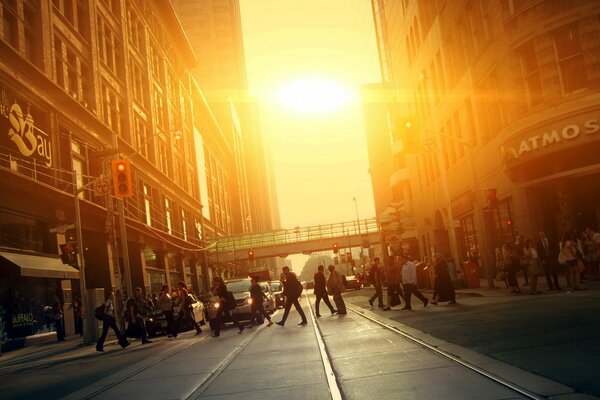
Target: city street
(551, 336)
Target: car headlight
(249, 300)
(150, 320)
(216, 305)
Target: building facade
(81, 83)
(505, 98)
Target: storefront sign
(21, 320)
(18, 132)
(555, 137)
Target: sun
(313, 96)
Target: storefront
(28, 285)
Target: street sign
(62, 228)
(101, 187)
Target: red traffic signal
(335, 248)
(122, 183)
(251, 255)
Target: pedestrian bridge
(283, 242)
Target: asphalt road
(555, 335)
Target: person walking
(226, 304)
(523, 259)
(569, 256)
(535, 266)
(292, 290)
(59, 317)
(335, 286)
(409, 283)
(77, 315)
(106, 313)
(186, 310)
(376, 279)
(443, 287)
(321, 291)
(547, 256)
(135, 313)
(394, 291)
(165, 304)
(510, 258)
(257, 308)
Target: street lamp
(359, 233)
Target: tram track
(497, 379)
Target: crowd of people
(576, 257)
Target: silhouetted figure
(257, 308)
(443, 287)
(165, 304)
(109, 321)
(375, 276)
(226, 304)
(292, 290)
(335, 286)
(135, 312)
(321, 291)
(409, 283)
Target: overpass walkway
(283, 242)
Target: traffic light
(122, 184)
(409, 134)
(335, 248)
(251, 255)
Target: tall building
(82, 83)
(503, 101)
(214, 29)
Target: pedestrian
(186, 310)
(376, 278)
(335, 286)
(257, 308)
(135, 312)
(590, 254)
(547, 255)
(226, 305)
(165, 304)
(320, 291)
(535, 266)
(510, 258)
(105, 313)
(292, 290)
(442, 283)
(394, 291)
(77, 315)
(59, 317)
(409, 283)
(523, 259)
(569, 257)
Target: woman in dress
(444, 289)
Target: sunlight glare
(313, 96)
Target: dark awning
(39, 266)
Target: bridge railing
(295, 235)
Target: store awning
(39, 266)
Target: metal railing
(295, 235)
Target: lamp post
(359, 232)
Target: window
(108, 46)
(148, 204)
(184, 225)
(9, 23)
(531, 73)
(32, 25)
(111, 109)
(168, 216)
(569, 55)
(72, 72)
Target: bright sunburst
(313, 96)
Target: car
(352, 282)
(156, 322)
(277, 289)
(269, 303)
(241, 292)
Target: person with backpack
(135, 312)
(226, 304)
(292, 290)
(186, 311)
(105, 313)
(257, 308)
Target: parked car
(352, 282)
(277, 289)
(241, 292)
(156, 323)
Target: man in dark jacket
(292, 289)
(109, 321)
(548, 254)
(135, 312)
(225, 306)
(257, 308)
(321, 291)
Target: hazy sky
(320, 160)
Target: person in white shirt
(409, 283)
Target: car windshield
(276, 286)
(239, 286)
